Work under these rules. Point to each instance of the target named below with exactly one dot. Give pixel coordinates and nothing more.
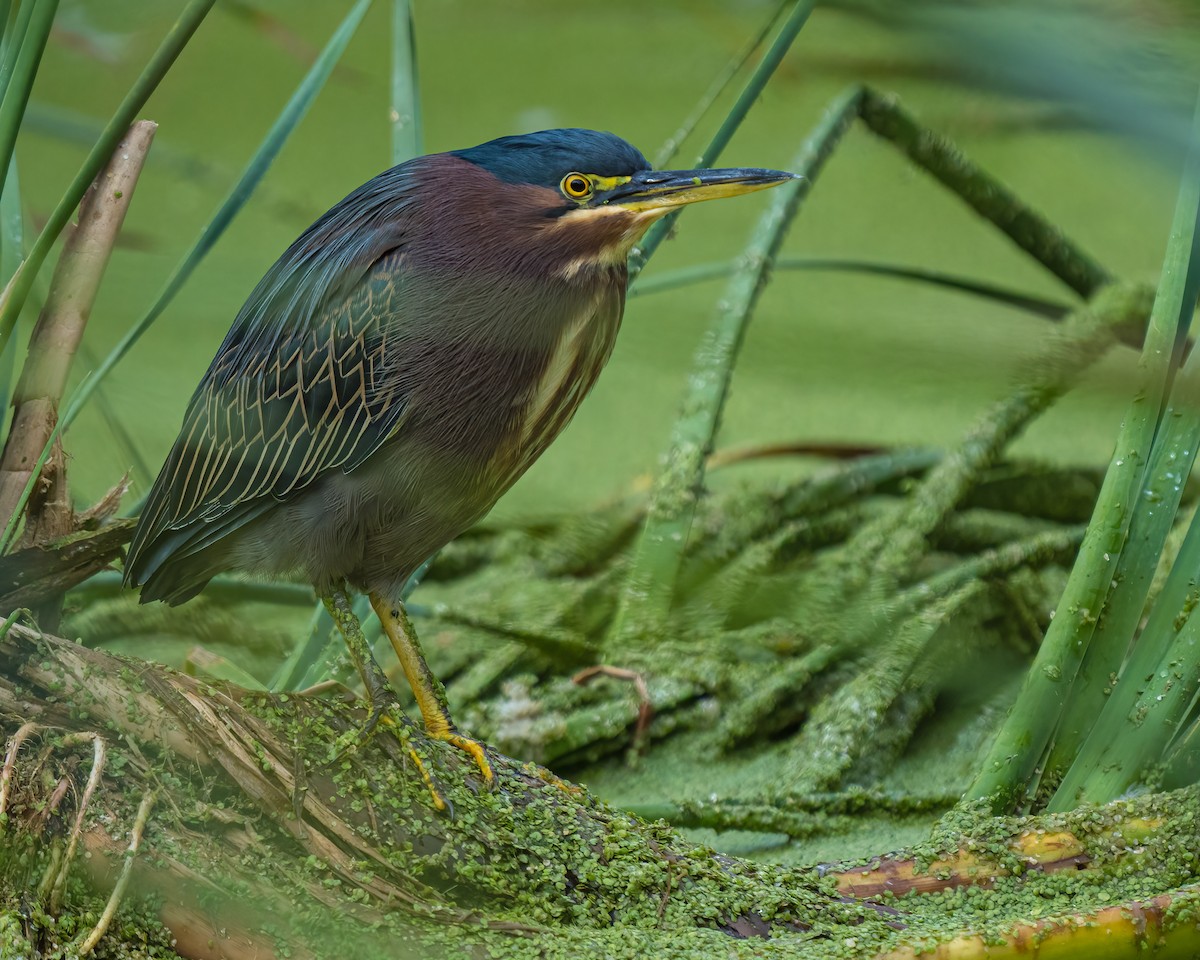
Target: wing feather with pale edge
(296, 389)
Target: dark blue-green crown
(545, 157)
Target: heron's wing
(297, 387)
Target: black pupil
(578, 185)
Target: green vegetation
(954, 664)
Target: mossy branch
(533, 853)
(298, 855)
(986, 195)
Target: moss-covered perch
(252, 801)
(258, 844)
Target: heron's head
(592, 193)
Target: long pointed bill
(662, 189)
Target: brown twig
(114, 900)
(24, 732)
(29, 577)
(645, 704)
(99, 754)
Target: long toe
(381, 712)
(469, 745)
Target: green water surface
(830, 357)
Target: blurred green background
(830, 357)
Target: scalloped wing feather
(297, 387)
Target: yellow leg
(380, 694)
(428, 689)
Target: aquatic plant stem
(406, 97)
(646, 597)
(57, 335)
(986, 195)
(24, 52)
(885, 550)
(13, 28)
(14, 296)
(843, 724)
(12, 249)
(1010, 766)
(1102, 701)
(685, 276)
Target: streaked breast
(574, 361)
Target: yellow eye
(576, 186)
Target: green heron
(396, 371)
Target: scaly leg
(380, 694)
(428, 689)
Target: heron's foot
(385, 712)
(381, 704)
(475, 748)
(385, 708)
(427, 689)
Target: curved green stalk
(686, 276)
(1009, 768)
(37, 17)
(986, 195)
(843, 723)
(884, 551)
(650, 585)
(1050, 546)
(174, 42)
(801, 10)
